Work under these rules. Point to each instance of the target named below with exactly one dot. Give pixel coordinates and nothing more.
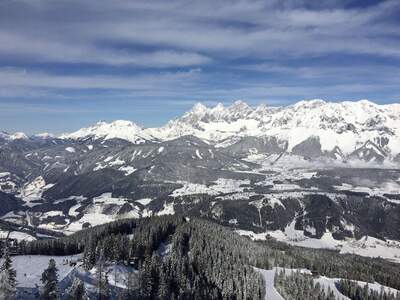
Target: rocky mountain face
(297, 173)
(346, 130)
(347, 126)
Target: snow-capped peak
(199, 108)
(337, 124)
(18, 136)
(310, 103)
(13, 136)
(239, 104)
(202, 113)
(218, 107)
(120, 129)
(238, 110)
(44, 135)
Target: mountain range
(312, 174)
(359, 130)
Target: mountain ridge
(338, 127)
(288, 186)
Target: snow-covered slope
(359, 130)
(120, 129)
(347, 125)
(44, 135)
(14, 136)
(213, 124)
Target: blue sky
(68, 63)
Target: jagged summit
(307, 113)
(339, 126)
(198, 108)
(346, 125)
(200, 112)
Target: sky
(66, 64)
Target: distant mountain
(10, 137)
(344, 126)
(119, 129)
(314, 128)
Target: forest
(192, 258)
(355, 291)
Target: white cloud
(189, 34)
(27, 79)
(211, 35)
(43, 50)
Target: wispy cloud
(22, 78)
(191, 34)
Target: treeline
(298, 286)
(333, 264)
(76, 242)
(354, 291)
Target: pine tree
(163, 287)
(49, 290)
(7, 277)
(103, 289)
(76, 291)
(89, 255)
(132, 284)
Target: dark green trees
(76, 291)
(49, 290)
(354, 291)
(7, 277)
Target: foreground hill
(172, 257)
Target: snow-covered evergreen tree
(49, 290)
(132, 284)
(7, 292)
(7, 277)
(103, 288)
(89, 255)
(76, 291)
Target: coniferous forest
(355, 291)
(300, 286)
(191, 258)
